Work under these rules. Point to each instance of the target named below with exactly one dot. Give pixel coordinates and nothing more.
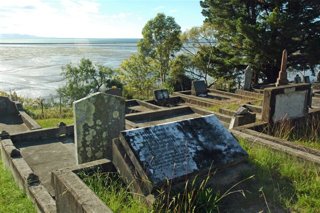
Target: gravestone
(199, 88)
(283, 76)
(248, 74)
(175, 150)
(242, 117)
(286, 102)
(306, 79)
(98, 119)
(161, 95)
(297, 79)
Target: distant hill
(17, 36)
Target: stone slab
(248, 74)
(199, 87)
(286, 102)
(98, 119)
(177, 149)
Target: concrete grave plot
(268, 134)
(13, 119)
(168, 115)
(32, 156)
(286, 102)
(98, 119)
(72, 194)
(136, 106)
(148, 157)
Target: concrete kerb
(30, 123)
(73, 195)
(25, 177)
(252, 134)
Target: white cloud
(65, 18)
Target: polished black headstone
(199, 88)
(172, 150)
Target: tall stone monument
(98, 119)
(248, 74)
(282, 79)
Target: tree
(202, 56)
(137, 75)
(255, 33)
(85, 79)
(160, 42)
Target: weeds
(305, 131)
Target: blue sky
(92, 18)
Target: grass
(284, 180)
(110, 189)
(12, 199)
(281, 182)
(305, 131)
(53, 122)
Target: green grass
(12, 199)
(284, 180)
(53, 122)
(109, 188)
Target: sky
(92, 18)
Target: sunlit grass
(286, 180)
(12, 199)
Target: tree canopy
(250, 32)
(84, 79)
(161, 40)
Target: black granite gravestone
(161, 95)
(174, 150)
(199, 88)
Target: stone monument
(241, 117)
(286, 102)
(283, 78)
(161, 95)
(150, 156)
(98, 119)
(199, 88)
(297, 79)
(248, 75)
(306, 79)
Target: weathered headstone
(297, 79)
(248, 74)
(199, 88)
(175, 150)
(306, 79)
(286, 102)
(283, 76)
(161, 95)
(98, 119)
(242, 116)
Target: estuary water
(32, 67)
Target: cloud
(65, 18)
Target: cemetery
(158, 144)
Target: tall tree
(202, 56)
(161, 40)
(254, 32)
(85, 78)
(138, 76)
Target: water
(32, 67)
